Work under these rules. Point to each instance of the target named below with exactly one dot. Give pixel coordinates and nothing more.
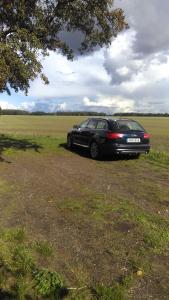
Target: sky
(132, 75)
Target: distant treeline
(58, 113)
(13, 112)
(142, 114)
(78, 113)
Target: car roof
(111, 118)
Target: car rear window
(125, 125)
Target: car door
(78, 131)
(101, 130)
(88, 132)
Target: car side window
(92, 124)
(84, 124)
(101, 124)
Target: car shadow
(83, 152)
(5, 295)
(7, 142)
(77, 150)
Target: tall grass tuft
(159, 157)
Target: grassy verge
(158, 157)
(14, 144)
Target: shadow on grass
(7, 142)
(83, 152)
(63, 292)
(5, 295)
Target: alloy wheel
(94, 150)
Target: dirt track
(55, 197)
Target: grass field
(58, 126)
(102, 225)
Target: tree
(30, 28)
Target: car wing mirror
(75, 126)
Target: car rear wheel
(94, 150)
(69, 142)
(136, 155)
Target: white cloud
(132, 74)
(43, 105)
(71, 79)
(123, 71)
(27, 105)
(116, 103)
(149, 18)
(7, 105)
(62, 106)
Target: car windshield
(125, 125)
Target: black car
(110, 136)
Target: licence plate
(133, 140)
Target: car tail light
(146, 136)
(113, 135)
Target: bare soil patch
(69, 200)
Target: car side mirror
(75, 126)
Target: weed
(43, 248)
(19, 235)
(19, 273)
(106, 293)
(71, 204)
(118, 290)
(159, 157)
(22, 287)
(23, 261)
(48, 283)
(156, 232)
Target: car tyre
(136, 156)
(69, 142)
(94, 150)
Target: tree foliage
(30, 28)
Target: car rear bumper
(126, 149)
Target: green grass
(49, 133)
(158, 157)
(15, 145)
(4, 187)
(70, 204)
(43, 248)
(37, 126)
(153, 228)
(57, 126)
(20, 275)
(118, 290)
(137, 199)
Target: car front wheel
(69, 142)
(94, 150)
